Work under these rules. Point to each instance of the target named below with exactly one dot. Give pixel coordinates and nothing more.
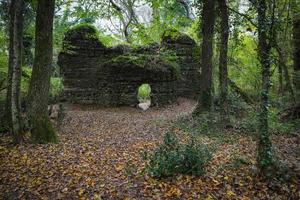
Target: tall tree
(296, 41)
(208, 23)
(223, 71)
(15, 66)
(42, 130)
(265, 153)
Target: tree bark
(14, 69)
(296, 41)
(223, 70)
(283, 68)
(280, 78)
(42, 130)
(265, 153)
(208, 23)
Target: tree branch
(186, 7)
(243, 15)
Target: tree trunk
(280, 79)
(14, 70)
(208, 23)
(265, 153)
(296, 40)
(42, 130)
(284, 68)
(223, 71)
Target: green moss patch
(86, 30)
(155, 62)
(174, 36)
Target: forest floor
(99, 157)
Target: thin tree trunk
(208, 23)
(280, 79)
(42, 130)
(223, 71)
(14, 71)
(296, 41)
(286, 74)
(265, 153)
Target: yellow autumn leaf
(230, 193)
(245, 198)
(81, 191)
(241, 184)
(216, 182)
(119, 168)
(173, 192)
(209, 197)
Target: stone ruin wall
(90, 76)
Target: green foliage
(56, 85)
(106, 40)
(3, 72)
(172, 157)
(194, 30)
(172, 33)
(169, 14)
(3, 63)
(25, 80)
(84, 25)
(56, 88)
(249, 123)
(246, 71)
(144, 93)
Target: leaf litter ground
(99, 157)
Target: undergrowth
(172, 157)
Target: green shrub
(172, 157)
(56, 88)
(144, 92)
(194, 158)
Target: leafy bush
(250, 123)
(56, 88)
(172, 157)
(144, 92)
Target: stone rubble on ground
(145, 105)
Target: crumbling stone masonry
(95, 74)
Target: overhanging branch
(249, 19)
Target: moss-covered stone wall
(188, 58)
(95, 74)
